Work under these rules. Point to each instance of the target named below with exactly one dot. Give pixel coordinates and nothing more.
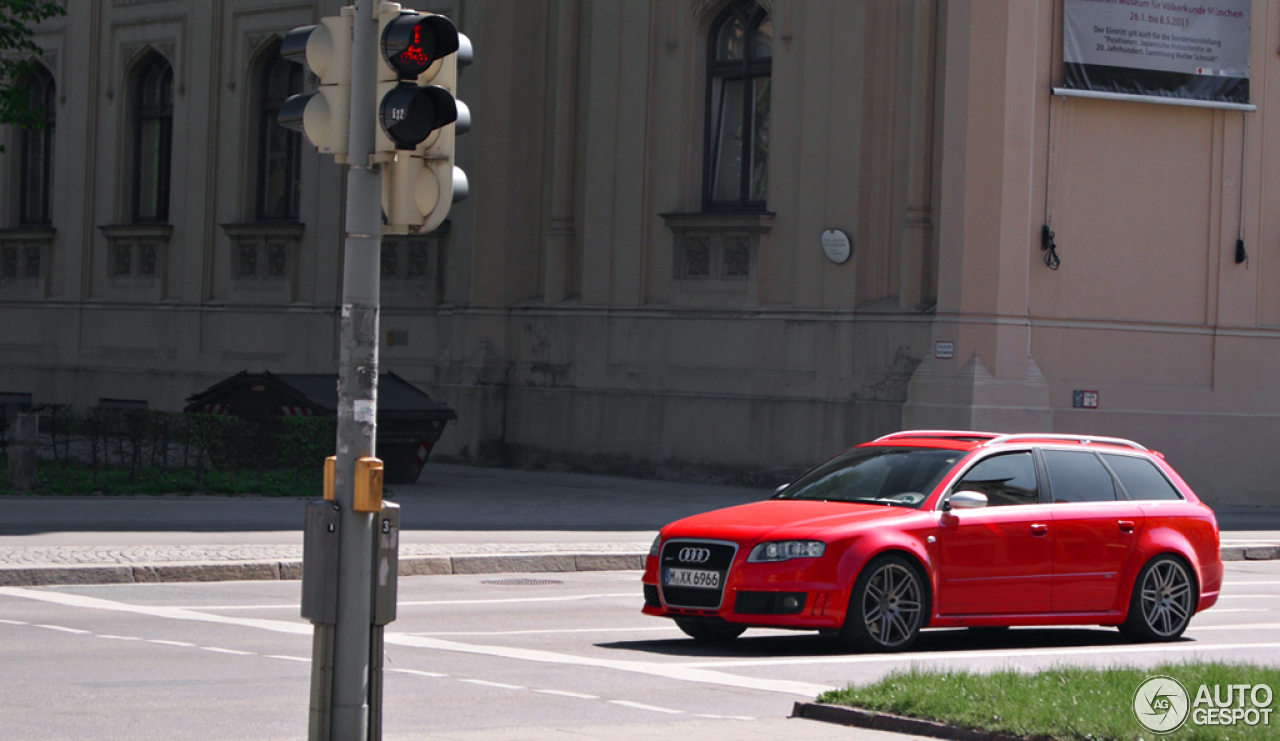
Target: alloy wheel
(891, 605)
(1166, 598)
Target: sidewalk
(456, 520)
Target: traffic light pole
(357, 393)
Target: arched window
(279, 149)
(153, 140)
(36, 187)
(739, 65)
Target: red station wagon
(947, 529)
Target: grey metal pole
(357, 391)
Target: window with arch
(279, 149)
(739, 65)
(36, 188)
(153, 139)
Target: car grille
(651, 596)
(707, 556)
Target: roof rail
(1086, 439)
(945, 434)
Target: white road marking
(62, 629)
(1026, 653)
(1247, 583)
(1248, 596)
(725, 717)
(565, 693)
(512, 600)
(217, 650)
(668, 628)
(1240, 626)
(173, 613)
(118, 638)
(13, 622)
(635, 595)
(641, 706)
(171, 643)
(290, 606)
(667, 670)
(1217, 610)
(487, 683)
(288, 658)
(417, 673)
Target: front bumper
(760, 595)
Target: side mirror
(966, 500)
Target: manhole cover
(522, 582)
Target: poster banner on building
(1196, 50)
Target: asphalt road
(484, 657)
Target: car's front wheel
(1163, 601)
(888, 606)
(710, 631)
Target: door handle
(1039, 529)
(1126, 526)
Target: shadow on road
(956, 641)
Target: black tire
(888, 605)
(1163, 600)
(709, 631)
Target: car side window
(1140, 478)
(1078, 476)
(1005, 479)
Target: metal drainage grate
(522, 582)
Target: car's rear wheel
(710, 631)
(1163, 601)
(888, 606)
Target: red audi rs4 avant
(941, 529)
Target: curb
(894, 723)
(1250, 553)
(43, 576)
(488, 563)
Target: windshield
(901, 477)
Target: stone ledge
(609, 561)
(41, 576)
(1250, 552)
(1262, 553)
(425, 566)
(513, 563)
(496, 563)
(895, 723)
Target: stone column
(24, 436)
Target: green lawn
(62, 478)
(1064, 703)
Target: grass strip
(1068, 703)
(71, 478)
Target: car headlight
(653, 549)
(784, 550)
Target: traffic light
(323, 116)
(418, 58)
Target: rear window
(1141, 478)
(896, 476)
(1078, 476)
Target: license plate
(693, 578)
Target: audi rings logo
(694, 555)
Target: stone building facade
(638, 280)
